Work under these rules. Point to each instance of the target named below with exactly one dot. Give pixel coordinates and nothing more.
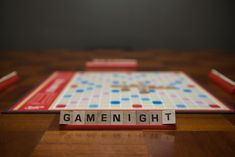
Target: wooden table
(39, 135)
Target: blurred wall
(128, 24)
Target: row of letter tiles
(118, 117)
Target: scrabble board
(119, 91)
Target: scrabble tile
(78, 117)
(168, 117)
(104, 117)
(129, 117)
(91, 117)
(116, 117)
(65, 117)
(142, 117)
(155, 117)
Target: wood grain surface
(39, 135)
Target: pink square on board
(85, 99)
(74, 86)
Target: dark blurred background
(117, 24)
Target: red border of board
(33, 90)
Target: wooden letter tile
(116, 117)
(168, 117)
(142, 117)
(155, 117)
(129, 117)
(91, 117)
(104, 117)
(65, 117)
(78, 117)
